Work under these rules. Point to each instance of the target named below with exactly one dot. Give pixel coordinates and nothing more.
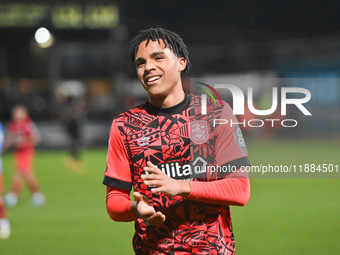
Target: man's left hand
(165, 184)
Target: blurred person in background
(175, 212)
(22, 134)
(72, 115)
(5, 229)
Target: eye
(139, 64)
(159, 58)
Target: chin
(155, 92)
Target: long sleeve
(229, 191)
(231, 151)
(118, 204)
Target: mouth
(152, 79)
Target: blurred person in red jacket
(22, 134)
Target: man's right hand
(142, 209)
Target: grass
(290, 215)
(74, 219)
(283, 216)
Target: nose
(149, 65)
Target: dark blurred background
(82, 54)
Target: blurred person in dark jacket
(72, 115)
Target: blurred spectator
(31, 93)
(72, 115)
(4, 223)
(21, 93)
(22, 135)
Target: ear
(182, 64)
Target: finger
(153, 183)
(145, 200)
(147, 213)
(151, 170)
(162, 217)
(149, 176)
(137, 196)
(156, 215)
(156, 219)
(141, 198)
(150, 164)
(145, 210)
(161, 214)
(156, 190)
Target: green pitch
(283, 216)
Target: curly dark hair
(171, 40)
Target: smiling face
(159, 71)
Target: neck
(169, 100)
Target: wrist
(184, 188)
(133, 208)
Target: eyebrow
(151, 55)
